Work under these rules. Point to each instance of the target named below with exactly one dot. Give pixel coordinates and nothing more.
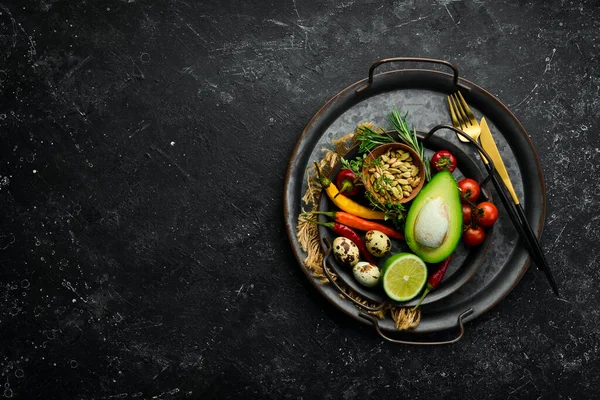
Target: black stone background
(143, 150)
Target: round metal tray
(422, 93)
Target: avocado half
(436, 212)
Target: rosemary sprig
(369, 139)
(410, 138)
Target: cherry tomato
(473, 236)
(487, 214)
(469, 189)
(443, 160)
(467, 211)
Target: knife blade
(515, 210)
(488, 144)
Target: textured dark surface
(142, 249)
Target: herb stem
(410, 138)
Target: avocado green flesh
(442, 186)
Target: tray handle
(375, 323)
(412, 59)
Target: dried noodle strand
(343, 144)
(405, 318)
(308, 237)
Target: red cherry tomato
(487, 214)
(467, 211)
(473, 236)
(469, 189)
(443, 160)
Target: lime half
(403, 276)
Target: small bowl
(377, 153)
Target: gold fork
(463, 118)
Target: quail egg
(366, 273)
(377, 243)
(345, 251)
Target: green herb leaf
(353, 165)
(369, 139)
(394, 212)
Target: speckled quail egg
(377, 243)
(366, 273)
(345, 251)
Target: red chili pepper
(434, 279)
(355, 222)
(349, 233)
(347, 182)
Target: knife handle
(510, 208)
(517, 215)
(541, 261)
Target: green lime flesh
(403, 276)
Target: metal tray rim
(323, 290)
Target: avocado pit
(432, 224)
